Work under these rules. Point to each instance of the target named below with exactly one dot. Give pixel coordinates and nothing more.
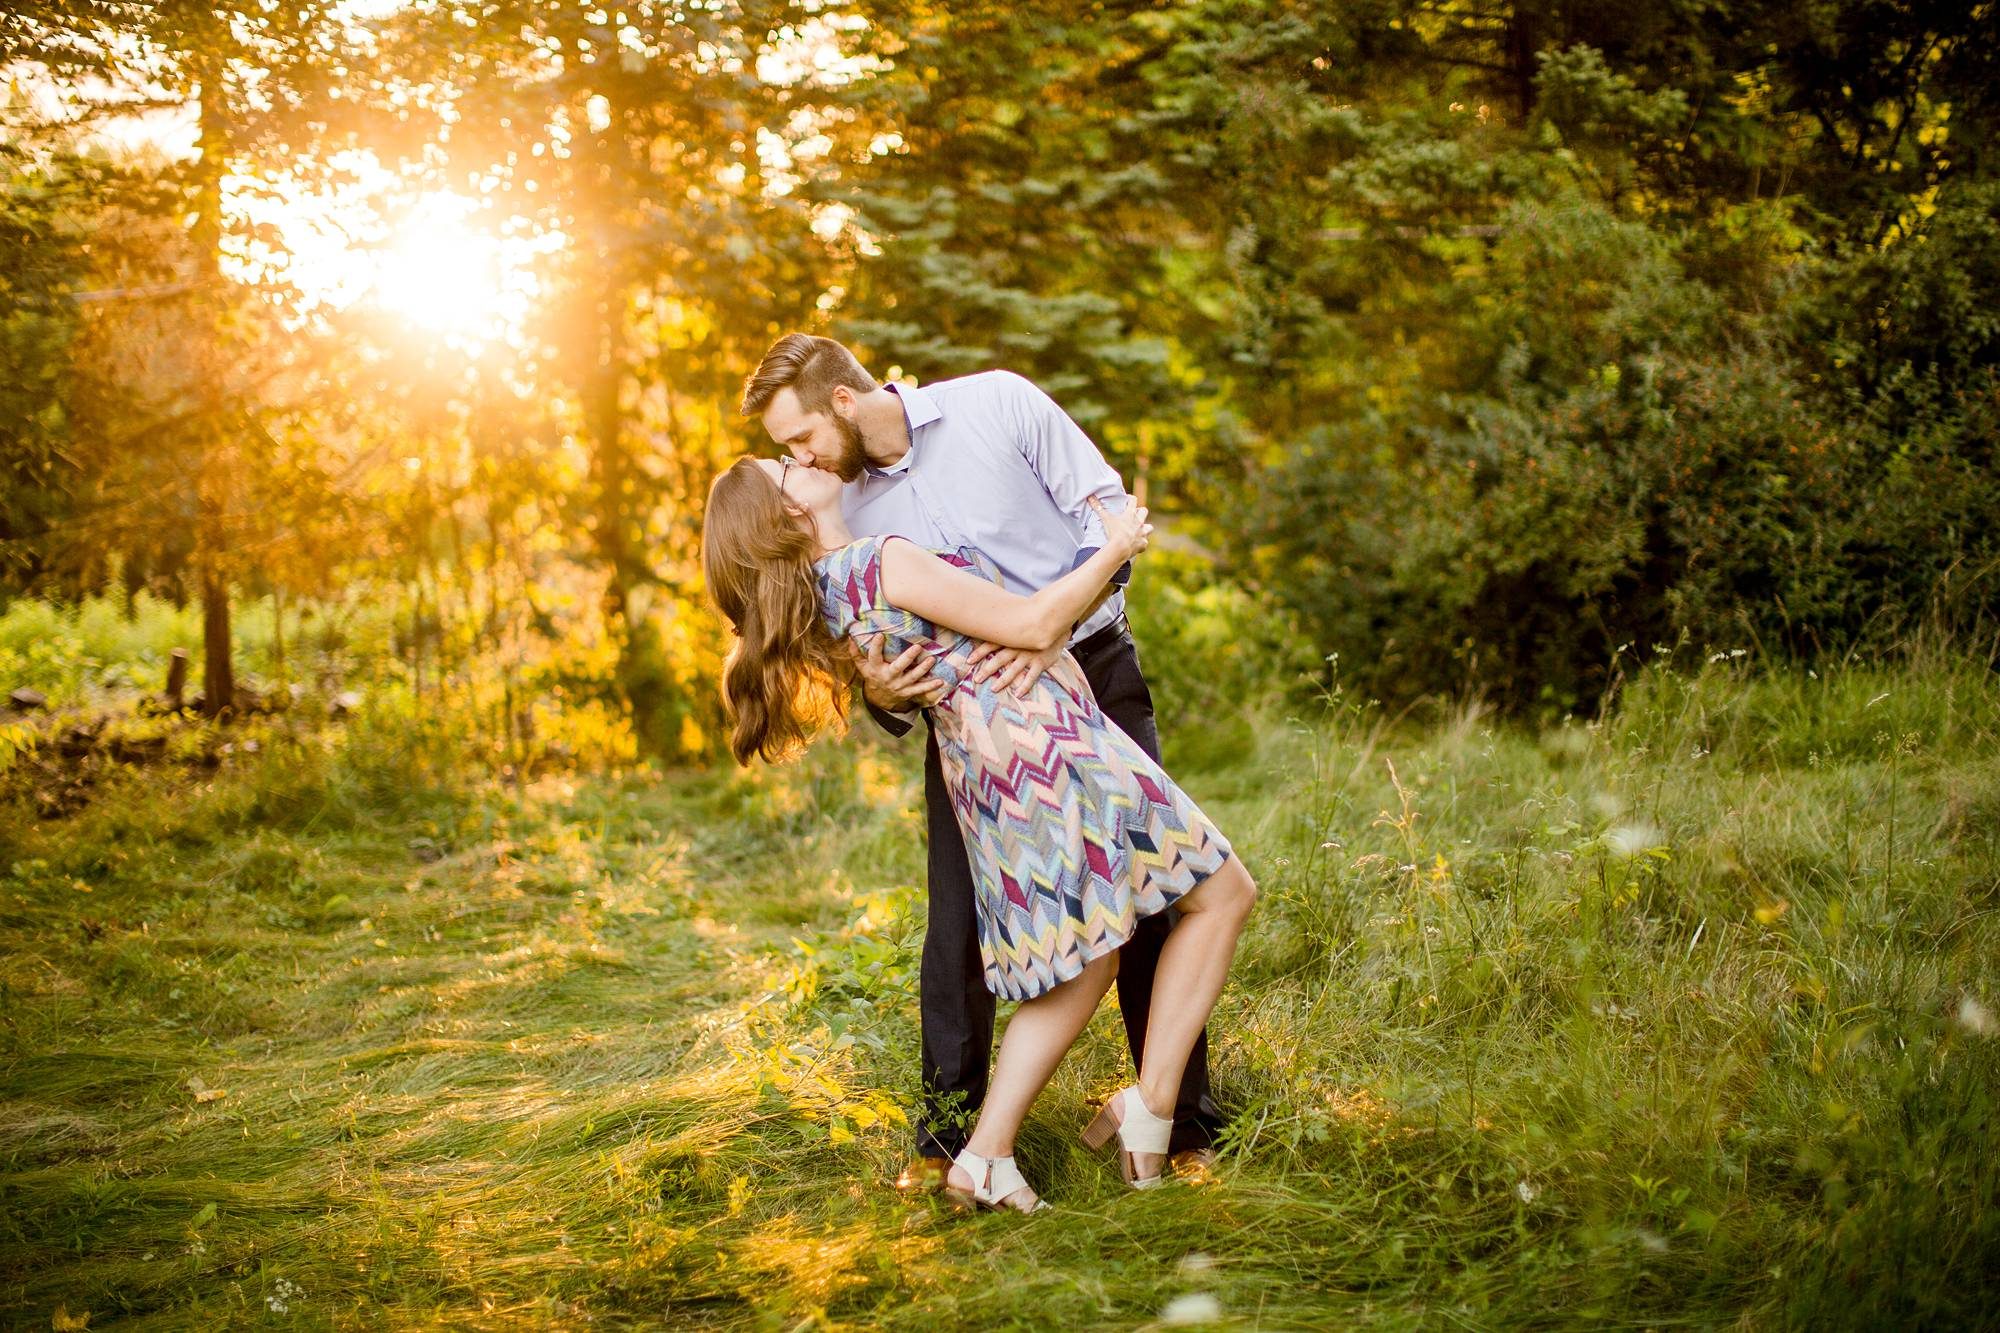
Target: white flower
(1527, 1191)
(1197, 1307)
(1631, 839)
(283, 1292)
(1976, 1018)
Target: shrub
(1629, 468)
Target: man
(991, 462)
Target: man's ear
(842, 398)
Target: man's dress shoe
(923, 1175)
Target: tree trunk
(623, 508)
(218, 678)
(1523, 32)
(211, 472)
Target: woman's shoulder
(853, 573)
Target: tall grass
(79, 651)
(1680, 1017)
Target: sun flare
(442, 275)
(433, 264)
(446, 274)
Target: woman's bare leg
(1038, 1035)
(1194, 962)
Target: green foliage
(1219, 661)
(1519, 333)
(1629, 467)
(1520, 336)
(36, 327)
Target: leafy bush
(1629, 467)
(1212, 653)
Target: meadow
(1572, 430)
(1681, 1016)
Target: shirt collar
(920, 409)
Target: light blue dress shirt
(996, 465)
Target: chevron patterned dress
(1073, 832)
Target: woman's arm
(916, 580)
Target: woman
(1072, 831)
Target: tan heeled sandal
(1138, 1130)
(993, 1180)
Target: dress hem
(1122, 940)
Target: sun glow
(446, 275)
(432, 264)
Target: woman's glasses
(785, 465)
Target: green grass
(1671, 1020)
(97, 648)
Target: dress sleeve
(854, 587)
(973, 561)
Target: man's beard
(853, 456)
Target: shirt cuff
(1118, 580)
(896, 724)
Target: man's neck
(885, 429)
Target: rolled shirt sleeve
(1070, 466)
(896, 724)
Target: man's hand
(898, 686)
(1015, 667)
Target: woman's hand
(1127, 531)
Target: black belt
(1099, 640)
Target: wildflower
(1632, 839)
(1196, 1307)
(1526, 1190)
(283, 1292)
(1976, 1018)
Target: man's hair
(811, 366)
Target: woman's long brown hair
(785, 677)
